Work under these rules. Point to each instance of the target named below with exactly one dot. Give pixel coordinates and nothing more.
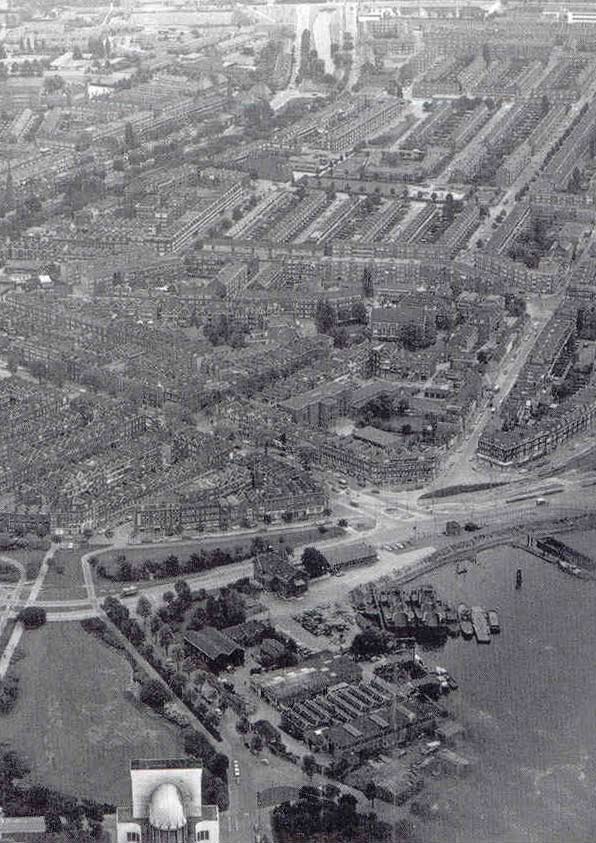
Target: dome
(166, 811)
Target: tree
(197, 745)
(12, 767)
(347, 815)
(515, 305)
(154, 694)
(178, 655)
(359, 313)
(256, 743)
(370, 791)
(367, 282)
(32, 617)
(309, 765)
(182, 589)
(219, 764)
(314, 563)
(199, 618)
(115, 610)
(166, 636)
(449, 208)
(243, 725)
(171, 565)
(370, 642)
(341, 338)
(332, 791)
(53, 83)
(402, 407)
(155, 625)
(53, 823)
(178, 684)
(144, 609)
(325, 316)
(12, 365)
(575, 182)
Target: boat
(452, 621)
(465, 623)
(518, 578)
(493, 620)
(461, 567)
(480, 624)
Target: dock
(536, 549)
(480, 624)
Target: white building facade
(166, 804)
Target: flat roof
(23, 825)
(166, 763)
(380, 438)
(348, 552)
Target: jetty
(552, 550)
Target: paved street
(17, 632)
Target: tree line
(316, 816)
(171, 566)
(80, 819)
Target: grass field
(74, 722)
(8, 573)
(31, 559)
(64, 580)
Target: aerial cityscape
(297, 400)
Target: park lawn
(8, 573)
(74, 721)
(64, 580)
(30, 558)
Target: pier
(558, 553)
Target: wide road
(457, 466)
(14, 591)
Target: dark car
(471, 527)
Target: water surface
(528, 700)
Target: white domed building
(166, 805)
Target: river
(528, 702)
